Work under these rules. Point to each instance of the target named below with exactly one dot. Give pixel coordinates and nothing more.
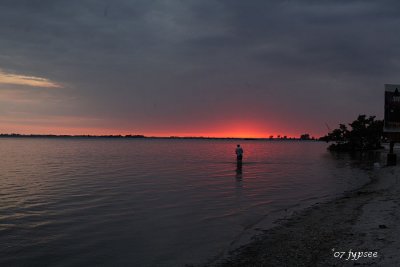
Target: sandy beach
(360, 228)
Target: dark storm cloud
(163, 62)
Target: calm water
(153, 202)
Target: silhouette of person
(239, 153)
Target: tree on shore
(305, 136)
(365, 133)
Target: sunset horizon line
(268, 137)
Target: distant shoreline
(149, 137)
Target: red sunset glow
(238, 130)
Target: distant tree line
(71, 136)
(285, 137)
(365, 133)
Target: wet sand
(364, 220)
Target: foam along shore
(328, 234)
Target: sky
(194, 67)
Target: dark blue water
(91, 202)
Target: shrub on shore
(365, 133)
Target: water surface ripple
(144, 202)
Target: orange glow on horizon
(97, 131)
(65, 126)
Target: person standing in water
(239, 153)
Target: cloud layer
(201, 66)
(7, 78)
